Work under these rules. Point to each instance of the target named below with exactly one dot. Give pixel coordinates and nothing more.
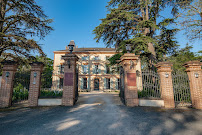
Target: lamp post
(71, 46)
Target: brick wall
(193, 68)
(6, 89)
(35, 83)
(164, 70)
(68, 98)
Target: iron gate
(122, 83)
(181, 89)
(151, 85)
(21, 85)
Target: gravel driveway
(100, 114)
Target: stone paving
(100, 114)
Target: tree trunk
(147, 31)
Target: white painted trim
(155, 103)
(49, 102)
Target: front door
(96, 84)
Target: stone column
(129, 63)
(193, 69)
(139, 75)
(167, 94)
(35, 83)
(69, 85)
(7, 82)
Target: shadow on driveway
(100, 114)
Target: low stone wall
(154, 103)
(49, 102)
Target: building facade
(94, 72)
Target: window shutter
(88, 69)
(82, 68)
(88, 86)
(117, 84)
(81, 83)
(110, 70)
(111, 85)
(105, 68)
(105, 84)
(59, 69)
(58, 83)
(99, 69)
(93, 69)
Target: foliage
(190, 19)
(135, 23)
(20, 20)
(19, 93)
(22, 77)
(183, 55)
(46, 77)
(50, 94)
(148, 93)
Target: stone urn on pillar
(129, 63)
(69, 84)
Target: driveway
(100, 114)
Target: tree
(20, 20)
(183, 55)
(135, 22)
(46, 77)
(22, 76)
(190, 19)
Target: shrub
(50, 94)
(19, 93)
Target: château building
(94, 73)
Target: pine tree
(135, 22)
(20, 20)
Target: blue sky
(75, 20)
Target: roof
(90, 50)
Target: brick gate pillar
(129, 63)
(193, 69)
(69, 85)
(7, 82)
(35, 83)
(166, 84)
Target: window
(118, 83)
(107, 69)
(61, 69)
(107, 83)
(84, 83)
(96, 69)
(96, 58)
(84, 58)
(85, 69)
(107, 57)
(61, 83)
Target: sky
(76, 20)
